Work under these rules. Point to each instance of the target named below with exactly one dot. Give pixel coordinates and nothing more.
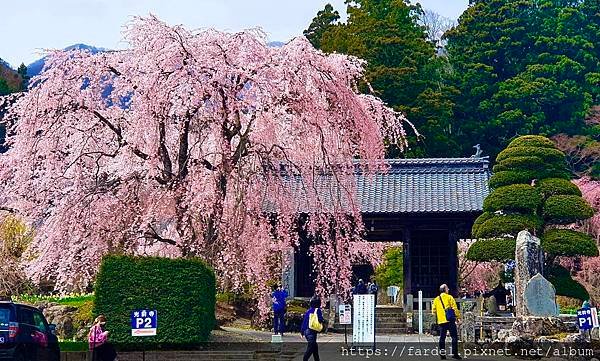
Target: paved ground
(332, 337)
(332, 346)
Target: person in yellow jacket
(447, 314)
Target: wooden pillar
(453, 238)
(288, 277)
(407, 261)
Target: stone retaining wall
(181, 356)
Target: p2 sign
(144, 323)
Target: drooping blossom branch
(194, 143)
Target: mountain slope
(10, 80)
(36, 67)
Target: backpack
(313, 322)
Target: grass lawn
(76, 300)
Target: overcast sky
(43, 24)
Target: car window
(4, 318)
(26, 316)
(39, 321)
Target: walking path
(389, 347)
(332, 337)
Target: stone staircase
(388, 320)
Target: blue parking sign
(144, 323)
(585, 319)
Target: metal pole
(346, 335)
(421, 309)
(374, 321)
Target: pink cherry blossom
(590, 190)
(195, 143)
(475, 276)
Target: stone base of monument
(532, 327)
(534, 333)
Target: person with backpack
(446, 311)
(279, 309)
(312, 324)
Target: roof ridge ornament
(478, 151)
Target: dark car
(25, 335)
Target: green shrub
(509, 177)
(495, 249)
(565, 209)
(557, 186)
(502, 225)
(73, 346)
(480, 220)
(520, 164)
(391, 271)
(566, 242)
(514, 197)
(531, 141)
(84, 316)
(551, 156)
(565, 285)
(181, 290)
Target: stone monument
(529, 261)
(540, 297)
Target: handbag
(450, 314)
(313, 322)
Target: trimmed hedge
(557, 186)
(479, 221)
(181, 290)
(565, 209)
(520, 164)
(514, 197)
(495, 249)
(531, 141)
(550, 156)
(509, 177)
(565, 285)
(502, 225)
(566, 242)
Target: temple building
(428, 205)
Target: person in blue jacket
(312, 349)
(279, 308)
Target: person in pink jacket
(98, 340)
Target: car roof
(18, 304)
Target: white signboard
(363, 329)
(595, 317)
(345, 314)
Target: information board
(345, 314)
(363, 328)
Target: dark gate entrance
(430, 262)
(303, 263)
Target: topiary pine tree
(531, 191)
